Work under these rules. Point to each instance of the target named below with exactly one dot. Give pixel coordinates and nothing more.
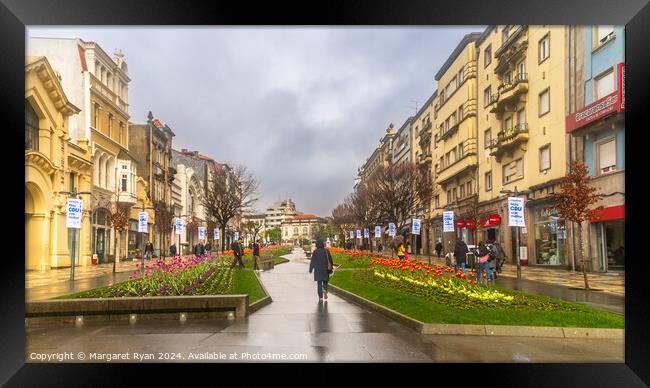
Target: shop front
(101, 236)
(489, 227)
(549, 236)
(137, 240)
(610, 238)
(465, 230)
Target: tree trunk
(114, 250)
(582, 257)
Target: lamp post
(141, 237)
(73, 194)
(516, 193)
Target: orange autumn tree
(574, 204)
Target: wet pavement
(299, 328)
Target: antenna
(416, 105)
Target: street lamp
(73, 194)
(516, 193)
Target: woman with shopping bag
(483, 256)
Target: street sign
(236, 236)
(391, 229)
(448, 221)
(179, 226)
(415, 227)
(75, 212)
(143, 222)
(216, 234)
(366, 233)
(201, 231)
(516, 211)
(358, 233)
(377, 231)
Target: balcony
(509, 139)
(111, 96)
(461, 165)
(126, 197)
(509, 93)
(443, 135)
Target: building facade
(54, 167)
(595, 124)
(254, 227)
(279, 212)
(300, 227)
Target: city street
(296, 324)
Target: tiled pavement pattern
(297, 323)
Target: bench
(265, 263)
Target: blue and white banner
(448, 221)
(179, 226)
(391, 229)
(358, 233)
(216, 234)
(415, 226)
(366, 233)
(351, 234)
(236, 236)
(201, 231)
(377, 231)
(516, 212)
(75, 212)
(143, 222)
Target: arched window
(31, 127)
(295, 231)
(190, 202)
(304, 230)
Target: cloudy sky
(302, 108)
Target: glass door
(601, 247)
(99, 244)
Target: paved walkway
(298, 326)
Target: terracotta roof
(304, 216)
(82, 58)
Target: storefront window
(611, 244)
(550, 237)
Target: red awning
(460, 223)
(491, 220)
(470, 224)
(611, 213)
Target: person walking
(256, 255)
(172, 250)
(400, 250)
(483, 255)
(148, 250)
(237, 249)
(460, 256)
(321, 265)
(438, 248)
(500, 256)
(208, 248)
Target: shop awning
(611, 213)
(491, 220)
(469, 224)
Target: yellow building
(54, 166)
(454, 143)
(522, 136)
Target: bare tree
(253, 228)
(164, 223)
(342, 219)
(574, 202)
(398, 192)
(117, 214)
(362, 209)
(230, 192)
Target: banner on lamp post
(377, 231)
(358, 233)
(366, 233)
(201, 230)
(448, 221)
(179, 226)
(516, 212)
(415, 226)
(236, 236)
(391, 229)
(74, 213)
(143, 222)
(216, 234)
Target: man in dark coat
(321, 264)
(172, 250)
(256, 255)
(460, 255)
(238, 253)
(438, 248)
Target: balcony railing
(509, 84)
(450, 131)
(509, 137)
(513, 36)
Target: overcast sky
(302, 108)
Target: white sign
(448, 221)
(415, 227)
(75, 212)
(351, 234)
(391, 229)
(201, 231)
(523, 253)
(216, 234)
(179, 226)
(236, 237)
(366, 233)
(336, 237)
(516, 212)
(143, 220)
(377, 231)
(358, 233)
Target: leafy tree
(574, 204)
(274, 234)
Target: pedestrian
(208, 248)
(500, 256)
(460, 256)
(256, 255)
(172, 250)
(438, 248)
(399, 247)
(201, 248)
(492, 259)
(237, 249)
(321, 265)
(148, 250)
(483, 256)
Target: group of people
(490, 257)
(238, 252)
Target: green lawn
(245, 282)
(347, 261)
(425, 310)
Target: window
(295, 231)
(544, 48)
(304, 230)
(521, 117)
(520, 168)
(545, 158)
(436, 201)
(487, 56)
(469, 188)
(461, 76)
(513, 171)
(544, 106)
(606, 154)
(96, 116)
(488, 181)
(449, 200)
(507, 78)
(124, 181)
(604, 84)
(507, 123)
(72, 185)
(603, 33)
(110, 125)
(487, 137)
(455, 193)
(505, 34)
(521, 70)
(31, 127)
(462, 191)
(460, 150)
(487, 95)
(461, 113)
